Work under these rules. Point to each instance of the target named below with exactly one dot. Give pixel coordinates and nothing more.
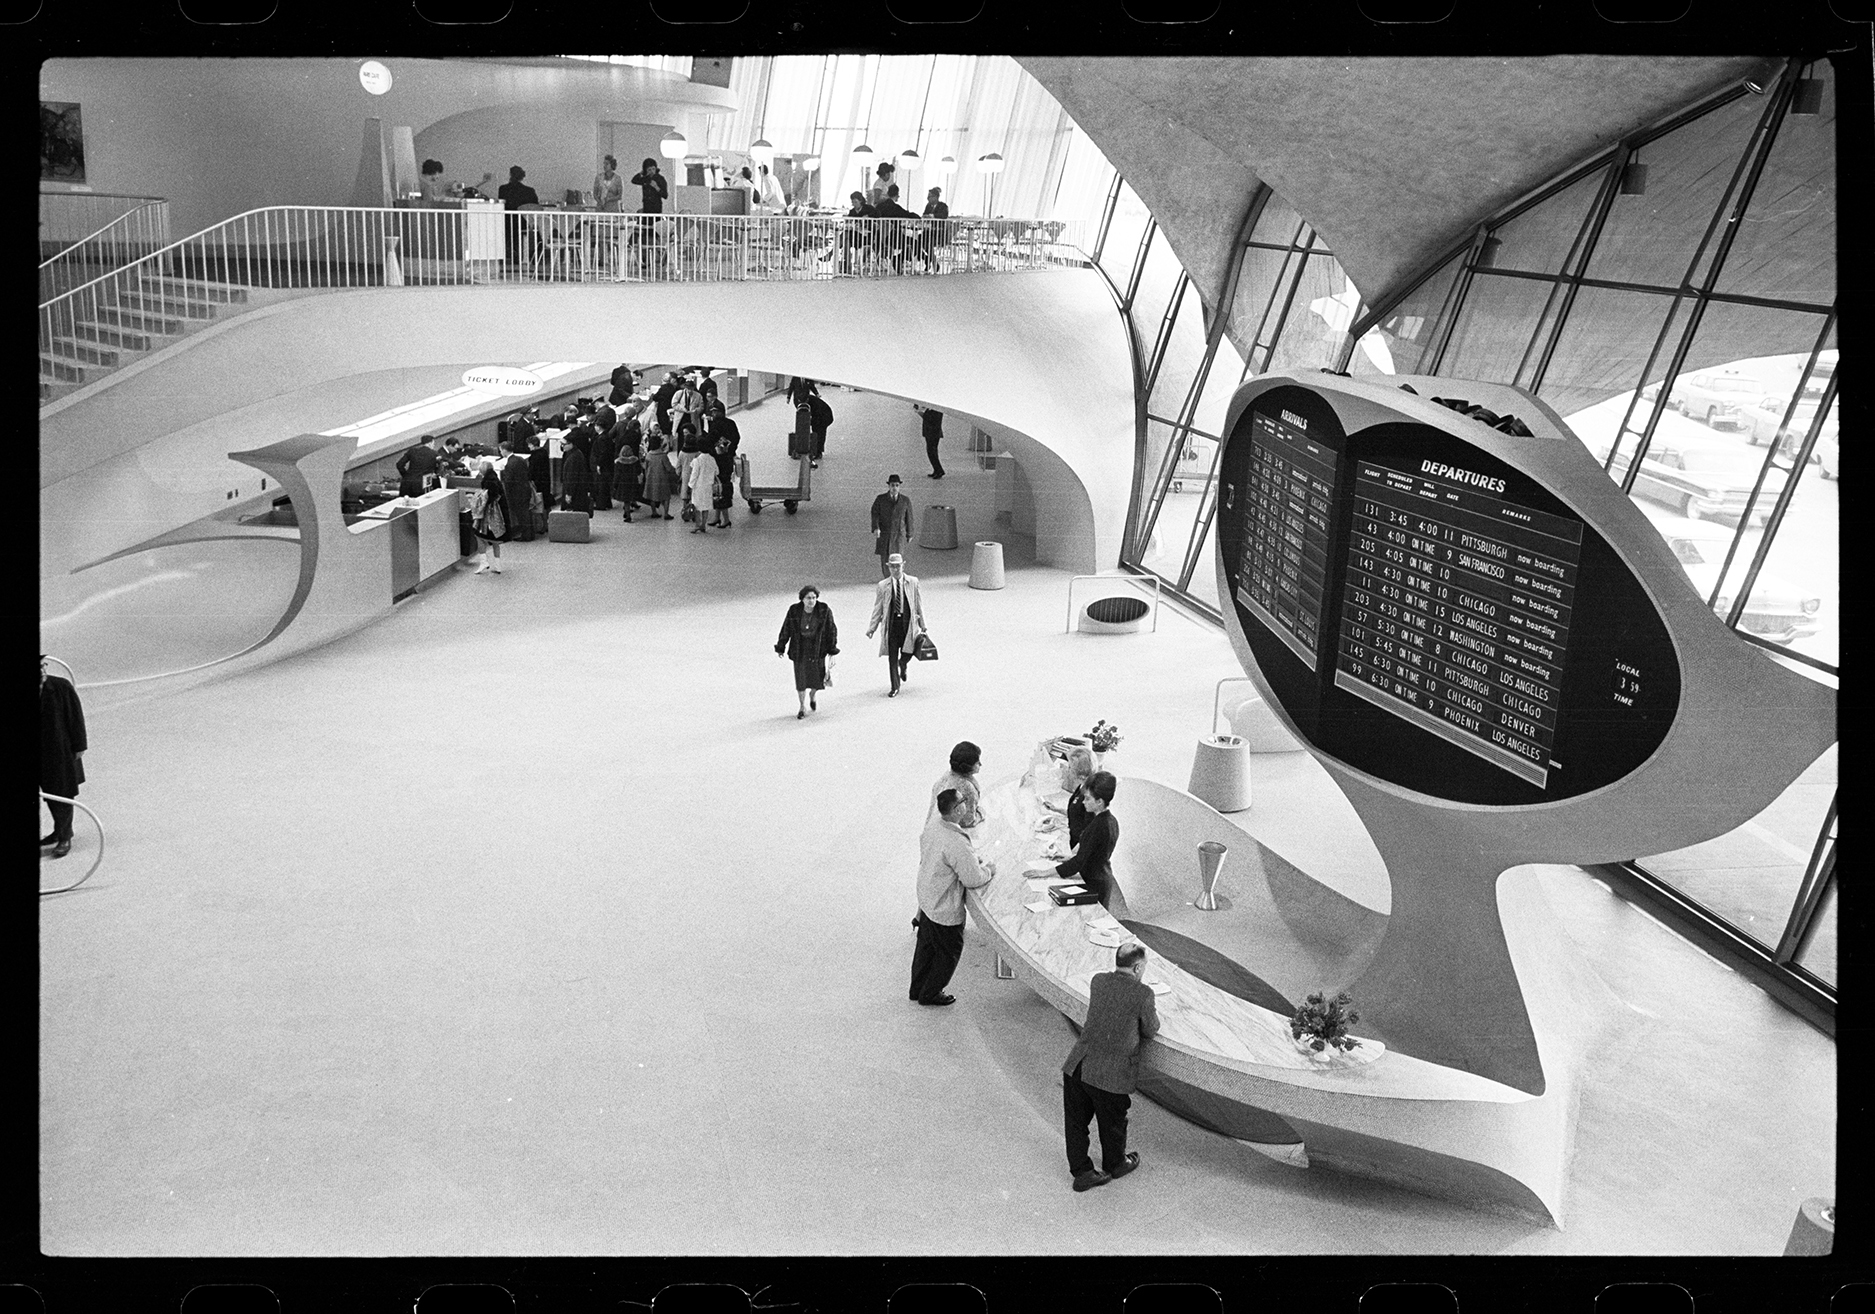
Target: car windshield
(1741, 465)
(1731, 385)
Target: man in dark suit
(540, 474)
(1102, 1069)
(418, 465)
(890, 518)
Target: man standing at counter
(1102, 1069)
(418, 465)
(947, 866)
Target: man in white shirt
(947, 866)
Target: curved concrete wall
(1041, 354)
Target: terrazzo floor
(531, 921)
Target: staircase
(123, 321)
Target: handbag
(826, 673)
(923, 649)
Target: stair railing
(133, 234)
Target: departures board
(1426, 612)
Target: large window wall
(1674, 301)
(961, 106)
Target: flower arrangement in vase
(1103, 739)
(1320, 1027)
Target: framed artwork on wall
(61, 142)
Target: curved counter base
(1224, 1059)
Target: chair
(564, 248)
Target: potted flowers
(1320, 1027)
(1103, 739)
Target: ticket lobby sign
(502, 380)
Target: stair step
(137, 319)
(87, 352)
(127, 339)
(51, 367)
(195, 289)
(173, 306)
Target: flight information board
(1287, 510)
(1456, 609)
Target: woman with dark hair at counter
(1092, 862)
(493, 524)
(808, 638)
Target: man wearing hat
(891, 521)
(899, 611)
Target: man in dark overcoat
(61, 753)
(1102, 1069)
(891, 522)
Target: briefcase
(923, 649)
(1067, 896)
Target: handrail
(1153, 580)
(97, 233)
(1217, 696)
(95, 862)
(70, 674)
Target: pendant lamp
(674, 145)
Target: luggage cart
(789, 495)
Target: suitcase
(569, 527)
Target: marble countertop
(1193, 1014)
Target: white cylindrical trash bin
(1220, 773)
(986, 565)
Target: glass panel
(1158, 437)
(1411, 327)
(1818, 957)
(1203, 583)
(1264, 277)
(1786, 243)
(1129, 221)
(1278, 222)
(1540, 238)
(1171, 533)
(1650, 238)
(1494, 327)
(1750, 876)
(1219, 386)
(1603, 350)
(1316, 329)
(1797, 598)
(1156, 282)
(1184, 351)
(1084, 182)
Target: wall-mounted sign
(502, 380)
(374, 77)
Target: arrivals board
(1286, 515)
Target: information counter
(424, 535)
(1225, 1060)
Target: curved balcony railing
(97, 861)
(162, 293)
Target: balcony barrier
(83, 235)
(343, 247)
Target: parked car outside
(1702, 479)
(1764, 423)
(1719, 397)
(1776, 610)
